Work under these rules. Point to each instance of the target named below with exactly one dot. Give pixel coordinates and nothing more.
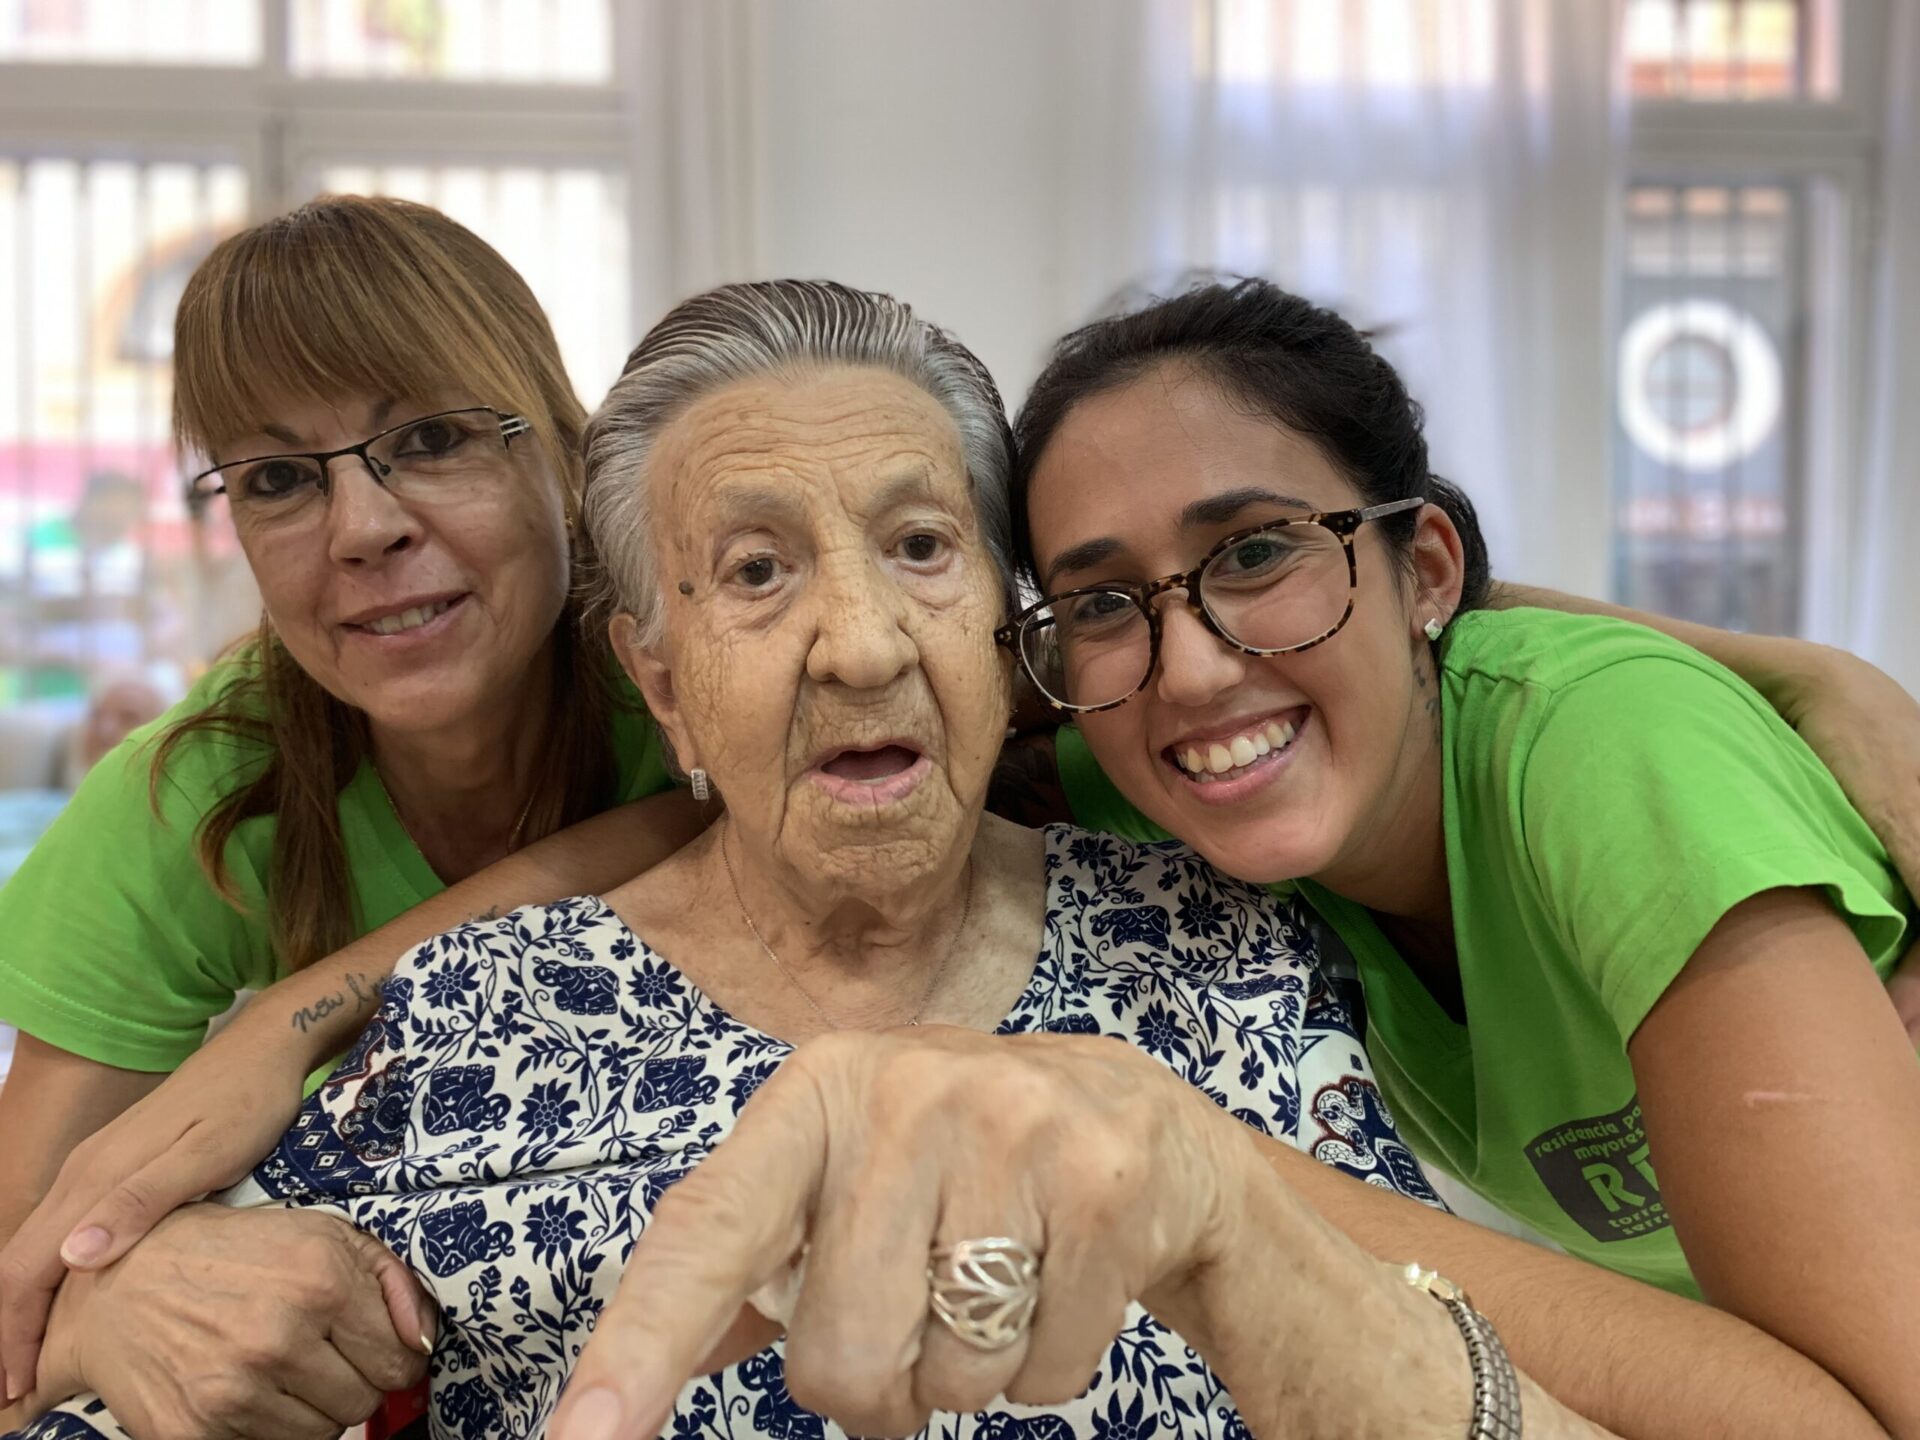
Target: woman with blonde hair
(384, 416)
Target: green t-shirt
(119, 949)
(1609, 795)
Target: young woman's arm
(51, 1101)
(1782, 1097)
(132, 1162)
(1646, 1364)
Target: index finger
(733, 1224)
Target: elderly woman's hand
(240, 1322)
(201, 1131)
(869, 1151)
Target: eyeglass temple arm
(1391, 507)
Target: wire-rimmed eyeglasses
(428, 453)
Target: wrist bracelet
(1496, 1389)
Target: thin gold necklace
(966, 909)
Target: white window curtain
(1443, 172)
(692, 112)
(1882, 572)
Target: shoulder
(1522, 685)
(1162, 902)
(500, 1011)
(1551, 655)
(566, 945)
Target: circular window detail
(1700, 384)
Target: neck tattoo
(933, 983)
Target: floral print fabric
(532, 1085)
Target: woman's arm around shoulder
(224, 1108)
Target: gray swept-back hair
(775, 327)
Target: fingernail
(14, 1392)
(426, 1344)
(594, 1416)
(83, 1247)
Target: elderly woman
(817, 475)
(796, 491)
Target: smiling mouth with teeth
(407, 619)
(1222, 758)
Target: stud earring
(1433, 628)
(701, 789)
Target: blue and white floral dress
(533, 1083)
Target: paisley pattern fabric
(532, 1085)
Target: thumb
(188, 1169)
(415, 1316)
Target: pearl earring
(1433, 628)
(701, 789)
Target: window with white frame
(132, 137)
(1753, 130)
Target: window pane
(1718, 49)
(1706, 459)
(181, 32)
(564, 229)
(1384, 44)
(529, 41)
(99, 566)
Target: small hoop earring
(1434, 629)
(701, 789)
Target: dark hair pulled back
(1284, 359)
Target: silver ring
(984, 1290)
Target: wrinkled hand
(203, 1129)
(1866, 730)
(226, 1323)
(870, 1149)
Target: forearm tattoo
(361, 992)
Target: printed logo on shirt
(1599, 1171)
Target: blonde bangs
(361, 296)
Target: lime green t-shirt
(1609, 795)
(119, 949)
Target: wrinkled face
(425, 610)
(828, 655)
(1141, 482)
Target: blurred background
(1651, 264)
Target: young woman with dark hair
(1621, 935)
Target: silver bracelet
(1496, 1389)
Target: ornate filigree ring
(984, 1290)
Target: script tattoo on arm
(360, 992)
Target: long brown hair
(351, 295)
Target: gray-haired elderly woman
(798, 491)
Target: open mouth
(873, 776)
(871, 767)
(1228, 756)
(412, 618)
